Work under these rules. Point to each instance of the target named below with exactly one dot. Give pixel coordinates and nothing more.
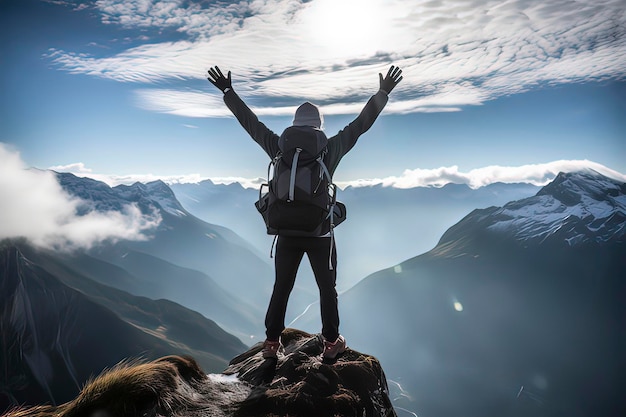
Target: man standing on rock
(291, 249)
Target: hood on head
(308, 114)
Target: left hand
(394, 76)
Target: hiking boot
(270, 349)
(334, 349)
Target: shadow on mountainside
(297, 384)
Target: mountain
(230, 205)
(149, 277)
(576, 209)
(517, 311)
(56, 336)
(391, 225)
(388, 224)
(233, 206)
(203, 266)
(144, 275)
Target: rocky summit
(298, 383)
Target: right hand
(217, 79)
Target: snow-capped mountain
(99, 196)
(164, 264)
(576, 208)
(595, 202)
(155, 193)
(518, 311)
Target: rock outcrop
(297, 384)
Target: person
(291, 249)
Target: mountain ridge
(54, 335)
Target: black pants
(289, 253)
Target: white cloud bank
(34, 206)
(537, 174)
(453, 53)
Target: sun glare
(346, 28)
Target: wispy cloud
(114, 180)
(195, 18)
(34, 206)
(453, 53)
(537, 174)
(77, 168)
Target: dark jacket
(338, 145)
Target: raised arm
(261, 134)
(343, 141)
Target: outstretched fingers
(215, 73)
(395, 73)
(218, 80)
(393, 77)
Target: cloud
(114, 180)
(453, 53)
(537, 174)
(77, 167)
(34, 206)
(189, 17)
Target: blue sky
(492, 91)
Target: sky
(507, 90)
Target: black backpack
(301, 197)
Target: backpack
(301, 197)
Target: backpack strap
(273, 245)
(331, 219)
(324, 168)
(331, 212)
(273, 164)
(269, 168)
(292, 174)
(332, 237)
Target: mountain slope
(54, 336)
(181, 238)
(141, 274)
(230, 274)
(517, 311)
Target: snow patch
(223, 379)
